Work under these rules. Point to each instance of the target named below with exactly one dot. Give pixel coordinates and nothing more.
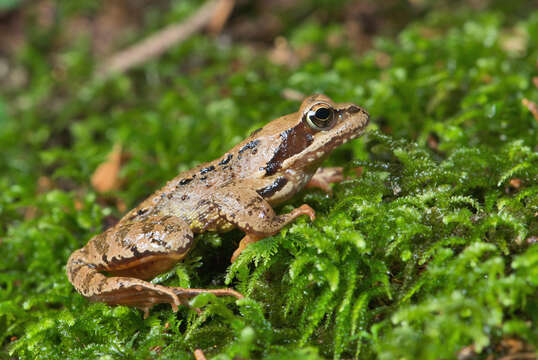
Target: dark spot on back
(250, 145)
(135, 251)
(207, 169)
(226, 160)
(270, 190)
(147, 227)
(185, 181)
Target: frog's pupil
(323, 113)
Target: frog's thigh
(143, 249)
(131, 252)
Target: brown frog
(237, 190)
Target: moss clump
(431, 249)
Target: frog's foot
(136, 293)
(282, 220)
(132, 253)
(324, 177)
(144, 295)
(248, 239)
(187, 293)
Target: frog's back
(186, 195)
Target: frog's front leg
(323, 177)
(251, 213)
(132, 253)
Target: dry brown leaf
(466, 353)
(283, 54)
(292, 94)
(514, 42)
(121, 206)
(44, 184)
(199, 355)
(30, 212)
(78, 204)
(515, 183)
(531, 105)
(107, 175)
(433, 142)
(382, 60)
(506, 349)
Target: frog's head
(317, 128)
(332, 123)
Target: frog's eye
(320, 117)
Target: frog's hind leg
(132, 253)
(116, 290)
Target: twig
(160, 42)
(221, 15)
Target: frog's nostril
(353, 109)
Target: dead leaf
(506, 349)
(106, 176)
(44, 184)
(382, 60)
(283, 54)
(292, 94)
(30, 212)
(531, 105)
(432, 141)
(515, 183)
(199, 354)
(514, 42)
(121, 206)
(78, 205)
(466, 353)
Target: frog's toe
(141, 295)
(186, 293)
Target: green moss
(429, 250)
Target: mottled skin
(237, 190)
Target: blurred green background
(429, 253)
